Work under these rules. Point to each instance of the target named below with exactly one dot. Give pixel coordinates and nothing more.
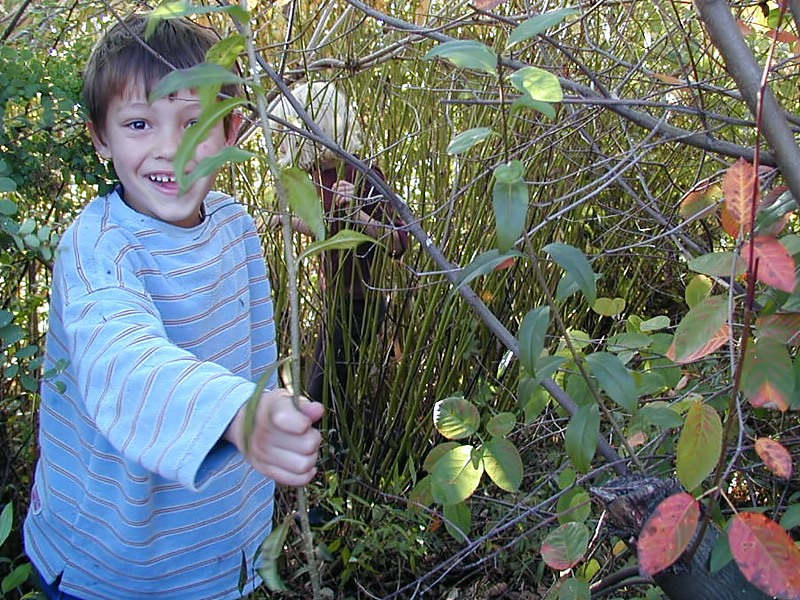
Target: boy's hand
(343, 193)
(283, 445)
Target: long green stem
(294, 304)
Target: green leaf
(547, 365)
(455, 418)
(501, 424)
(538, 24)
(7, 185)
(574, 262)
(197, 133)
(421, 494)
(567, 285)
(790, 519)
(510, 202)
(242, 574)
(467, 54)
(5, 318)
(458, 520)
(252, 403)
(270, 551)
(225, 52)
(6, 521)
(699, 289)
(614, 379)
(181, 8)
(455, 476)
(767, 374)
(564, 547)
(532, 397)
(700, 325)
(574, 589)
(344, 239)
(503, 464)
(303, 199)
(8, 207)
(481, 265)
(581, 437)
(467, 139)
(660, 414)
(721, 264)
(204, 75)
(623, 342)
(531, 336)
(576, 497)
(525, 101)
(699, 445)
(17, 577)
(436, 453)
(655, 324)
(608, 307)
(211, 164)
(720, 554)
(540, 85)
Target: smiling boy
(161, 320)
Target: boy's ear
(99, 145)
(234, 125)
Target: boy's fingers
(313, 410)
(284, 477)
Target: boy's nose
(166, 144)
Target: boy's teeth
(162, 179)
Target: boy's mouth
(161, 178)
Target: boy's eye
(191, 123)
(137, 124)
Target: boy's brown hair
(123, 56)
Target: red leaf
(506, 264)
(766, 555)
(775, 264)
(737, 185)
(718, 340)
(775, 457)
(782, 327)
(729, 224)
(667, 533)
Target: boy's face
(141, 139)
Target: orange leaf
(775, 457)
(729, 224)
(506, 264)
(744, 27)
(669, 79)
(717, 340)
(782, 327)
(667, 532)
(738, 185)
(783, 36)
(766, 555)
(702, 196)
(768, 396)
(775, 264)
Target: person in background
(349, 201)
(161, 323)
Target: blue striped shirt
(157, 333)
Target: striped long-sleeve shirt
(156, 335)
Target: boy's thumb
(313, 410)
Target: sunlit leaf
(212, 164)
(654, 324)
(699, 445)
(766, 555)
(510, 203)
(565, 546)
(436, 453)
(420, 494)
(344, 239)
(455, 476)
(699, 198)
(784, 328)
(739, 186)
(303, 199)
(580, 439)
(501, 424)
(722, 264)
(608, 307)
(199, 76)
(456, 418)
(775, 457)
(226, 51)
(525, 101)
(667, 532)
(729, 224)
(181, 8)
(467, 54)
(531, 336)
(503, 464)
(539, 24)
(467, 139)
(540, 85)
(767, 377)
(575, 263)
(699, 289)
(614, 379)
(458, 520)
(699, 332)
(269, 554)
(776, 266)
(575, 505)
(574, 589)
